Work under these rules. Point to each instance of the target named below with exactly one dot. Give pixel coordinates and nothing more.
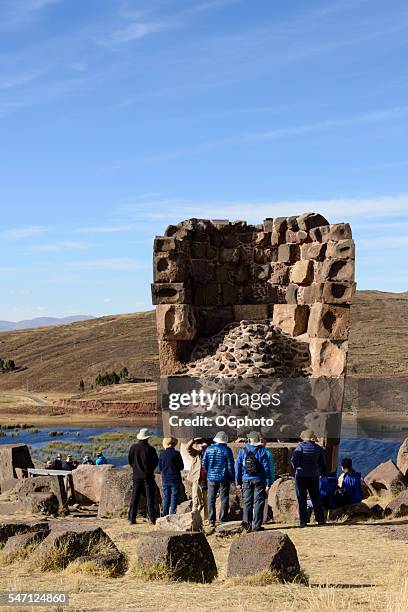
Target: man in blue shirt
(218, 463)
(253, 474)
(309, 463)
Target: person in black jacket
(143, 459)
(170, 466)
(309, 464)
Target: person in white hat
(144, 460)
(218, 463)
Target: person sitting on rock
(87, 460)
(144, 460)
(218, 463)
(309, 463)
(253, 475)
(101, 459)
(349, 483)
(197, 476)
(170, 466)
(72, 462)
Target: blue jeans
(171, 492)
(254, 500)
(305, 485)
(213, 487)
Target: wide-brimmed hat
(307, 434)
(221, 438)
(143, 434)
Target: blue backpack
(328, 489)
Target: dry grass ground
(349, 567)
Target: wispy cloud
(114, 264)
(104, 229)
(336, 209)
(26, 231)
(55, 247)
(135, 31)
(330, 124)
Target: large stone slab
(75, 541)
(116, 493)
(188, 521)
(283, 501)
(13, 456)
(12, 528)
(263, 551)
(398, 507)
(88, 481)
(386, 479)
(402, 459)
(42, 484)
(23, 540)
(187, 555)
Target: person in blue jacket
(253, 474)
(349, 483)
(218, 463)
(101, 459)
(309, 463)
(170, 465)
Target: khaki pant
(199, 496)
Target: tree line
(107, 378)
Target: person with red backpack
(253, 475)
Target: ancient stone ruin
(237, 301)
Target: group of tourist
(213, 469)
(69, 463)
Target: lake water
(366, 452)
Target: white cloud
(136, 31)
(329, 124)
(336, 209)
(113, 264)
(26, 231)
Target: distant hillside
(56, 358)
(41, 322)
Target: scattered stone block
(291, 318)
(226, 530)
(351, 513)
(189, 521)
(187, 555)
(115, 562)
(76, 541)
(88, 481)
(386, 479)
(12, 528)
(24, 540)
(283, 501)
(26, 489)
(402, 459)
(42, 503)
(13, 456)
(398, 507)
(263, 551)
(185, 506)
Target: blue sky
(119, 117)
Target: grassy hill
(56, 358)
